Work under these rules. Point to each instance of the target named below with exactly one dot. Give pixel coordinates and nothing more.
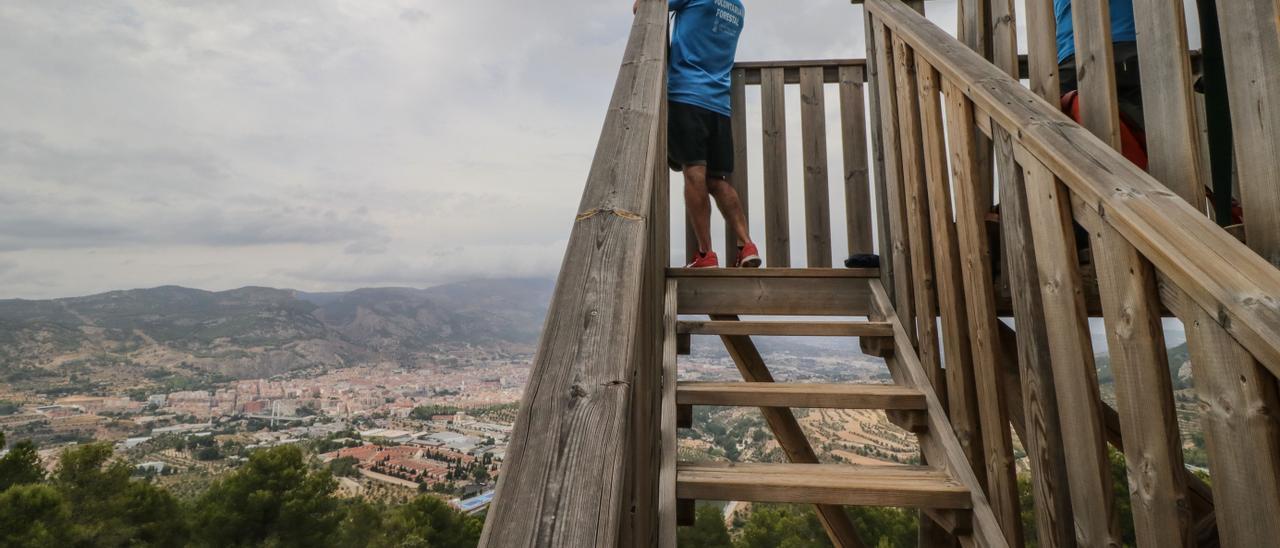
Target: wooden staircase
(723, 294)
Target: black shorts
(699, 137)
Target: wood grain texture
(841, 484)
(962, 392)
(975, 262)
(777, 224)
(786, 430)
(667, 474)
(1055, 523)
(1168, 104)
(1238, 405)
(884, 239)
(1042, 50)
(1095, 72)
(857, 189)
(787, 329)
(824, 396)
(774, 296)
(1250, 48)
(1071, 350)
(938, 443)
(1144, 391)
(917, 221)
(1218, 273)
(563, 480)
(817, 181)
(896, 205)
(739, 179)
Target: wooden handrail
(565, 480)
(1231, 283)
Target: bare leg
(731, 207)
(697, 204)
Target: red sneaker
(749, 257)
(705, 260)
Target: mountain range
(257, 331)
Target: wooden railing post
(566, 481)
(777, 217)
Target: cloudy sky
(316, 144)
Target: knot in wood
(577, 391)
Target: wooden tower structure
(934, 131)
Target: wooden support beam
(896, 212)
(884, 240)
(916, 196)
(739, 179)
(1242, 430)
(801, 395)
(1144, 391)
(1042, 50)
(853, 141)
(1095, 69)
(667, 503)
(1055, 522)
(786, 430)
(787, 329)
(983, 323)
(1071, 350)
(836, 484)
(789, 296)
(962, 392)
(777, 227)
(817, 181)
(1250, 48)
(558, 489)
(939, 442)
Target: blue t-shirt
(703, 44)
(1122, 29)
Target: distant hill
(256, 331)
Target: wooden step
(773, 272)
(842, 484)
(766, 292)
(787, 329)
(814, 396)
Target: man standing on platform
(704, 42)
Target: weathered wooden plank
(917, 221)
(787, 328)
(914, 487)
(777, 224)
(791, 69)
(1144, 391)
(1250, 48)
(1239, 409)
(667, 475)
(938, 442)
(1173, 135)
(739, 179)
(1004, 36)
(563, 480)
(773, 272)
(962, 394)
(1218, 273)
(884, 239)
(1070, 348)
(786, 430)
(975, 265)
(857, 190)
(1095, 72)
(1042, 50)
(896, 214)
(817, 181)
(809, 396)
(774, 296)
(1054, 518)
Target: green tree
(344, 467)
(362, 524)
(272, 500)
(35, 516)
(428, 521)
(110, 509)
(782, 526)
(708, 530)
(21, 465)
(886, 526)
